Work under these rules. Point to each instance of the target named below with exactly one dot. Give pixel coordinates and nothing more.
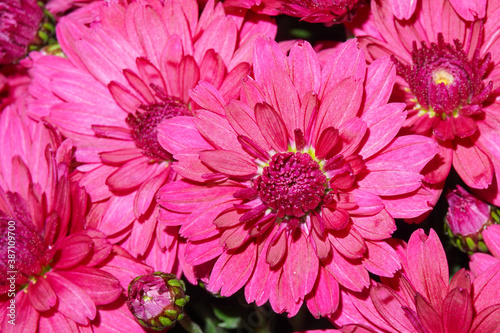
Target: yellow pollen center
(442, 76)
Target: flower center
(23, 252)
(145, 122)
(292, 184)
(446, 85)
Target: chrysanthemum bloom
(421, 298)
(448, 76)
(467, 218)
(291, 189)
(125, 74)
(318, 11)
(468, 10)
(54, 272)
(19, 23)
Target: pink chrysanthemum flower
(54, 272)
(448, 76)
(421, 298)
(291, 189)
(19, 23)
(125, 74)
(316, 11)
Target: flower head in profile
(293, 188)
(422, 298)
(448, 76)
(56, 272)
(127, 70)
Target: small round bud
(466, 218)
(157, 300)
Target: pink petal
(232, 271)
(179, 133)
(390, 306)
(491, 235)
(146, 194)
(142, 234)
(348, 272)
(151, 31)
(280, 297)
(383, 125)
(376, 227)
(430, 278)
(389, 178)
(366, 202)
(118, 214)
(41, 295)
(335, 111)
(26, 317)
(301, 266)
(380, 78)
(183, 197)
(413, 204)
(212, 69)
(486, 288)
(208, 97)
(271, 126)
(473, 166)
(457, 311)
(189, 75)
(470, 10)
(73, 250)
(230, 88)
(487, 320)
(73, 302)
(241, 118)
(200, 252)
(217, 131)
(133, 174)
(56, 323)
(324, 299)
(99, 285)
(228, 162)
(381, 259)
(403, 9)
(429, 317)
(348, 242)
(189, 166)
(259, 285)
(305, 69)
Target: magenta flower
(466, 219)
(448, 76)
(291, 189)
(125, 74)
(19, 23)
(318, 11)
(54, 272)
(421, 298)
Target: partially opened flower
(448, 75)
(421, 298)
(54, 272)
(125, 74)
(467, 218)
(292, 190)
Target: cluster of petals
(128, 67)
(62, 276)
(316, 11)
(480, 262)
(291, 190)
(422, 298)
(447, 52)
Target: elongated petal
(228, 162)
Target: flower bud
(157, 300)
(466, 218)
